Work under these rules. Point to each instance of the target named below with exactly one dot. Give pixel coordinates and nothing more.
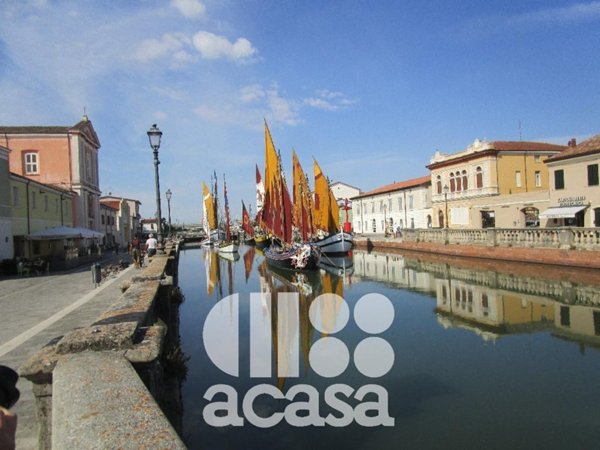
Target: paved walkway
(37, 309)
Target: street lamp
(169, 194)
(446, 202)
(154, 135)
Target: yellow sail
(325, 208)
(209, 207)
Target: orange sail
(276, 215)
(302, 201)
(326, 211)
(209, 208)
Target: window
(400, 203)
(372, 207)
(390, 205)
(559, 179)
(536, 158)
(452, 182)
(410, 202)
(380, 205)
(88, 166)
(438, 184)
(479, 177)
(465, 181)
(15, 191)
(31, 163)
(538, 178)
(374, 226)
(518, 178)
(458, 182)
(102, 219)
(592, 175)
(33, 200)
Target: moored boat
(327, 217)
(336, 243)
(295, 257)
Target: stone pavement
(34, 310)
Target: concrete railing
(101, 386)
(563, 238)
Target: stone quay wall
(103, 386)
(573, 247)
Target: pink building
(61, 156)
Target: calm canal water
(486, 355)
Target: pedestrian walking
(136, 251)
(151, 244)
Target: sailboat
(228, 246)
(260, 239)
(326, 215)
(210, 217)
(276, 218)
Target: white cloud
(189, 8)
(252, 93)
(212, 46)
(329, 100)
(169, 43)
(562, 15)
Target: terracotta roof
(587, 147)
(397, 186)
(114, 204)
(29, 129)
(521, 146)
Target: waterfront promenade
(34, 310)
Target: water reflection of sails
(213, 276)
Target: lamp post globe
(154, 136)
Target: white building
(343, 193)
(406, 204)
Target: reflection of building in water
(392, 270)
(493, 312)
(577, 322)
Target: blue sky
(370, 89)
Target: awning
(561, 212)
(65, 233)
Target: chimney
(572, 142)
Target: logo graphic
(329, 357)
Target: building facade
(574, 186)
(406, 204)
(35, 207)
(61, 156)
(129, 215)
(122, 230)
(491, 184)
(343, 193)
(6, 233)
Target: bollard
(96, 274)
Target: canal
(462, 354)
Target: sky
(370, 89)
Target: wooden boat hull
(305, 257)
(336, 243)
(337, 265)
(228, 248)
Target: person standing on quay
(135, 251)
(151, 244)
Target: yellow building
(36, 207)
(575, 186)
(491, 184)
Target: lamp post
(169, 194)
(446, 202)
(154, 135)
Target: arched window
(465, 180)
(452, 182)
(441, 219)
(479, 178)
(438, 184)
(458, 182)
